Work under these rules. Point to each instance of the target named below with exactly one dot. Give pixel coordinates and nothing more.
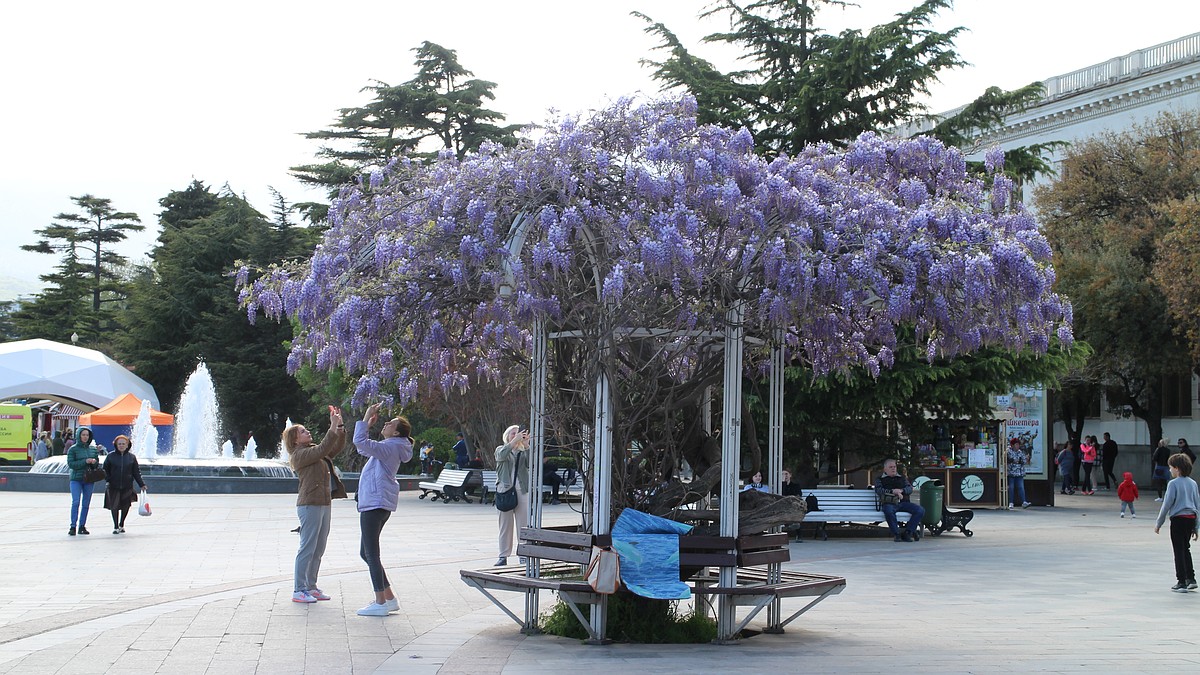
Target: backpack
(810, 503)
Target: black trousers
(1181, 539)
(371, 524)
(1108, 473)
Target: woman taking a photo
(319, 485)
(512, 470)
(378, 495)
(80, 457)
(122, 471)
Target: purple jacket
(377, 485)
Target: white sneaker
(1122, 515)
(392, 604)
(1133, 515)
(1158, 499)
(374, 609)
(301, 596)
(1027, 505)
(1009, 508)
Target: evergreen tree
(802, 86)
(87, 281)
(441, 108)
(187, 311)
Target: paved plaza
(204, 586)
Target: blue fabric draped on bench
(649, 550)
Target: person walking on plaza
(1160, 471)
(512, 469)
(1108, 459)
(1017, 459)
(1127, 492)
(894, 491)
(1187, 450)
(319, 485)
(122, 471)
(1181, 504)
(1087, 452)
(80, 457)
(378, 496)
(1066, 468)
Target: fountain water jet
(196, 422)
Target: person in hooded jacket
(122, 471)
(1127, 492)
(378, 496)
(81, 456)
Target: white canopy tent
(65, 373)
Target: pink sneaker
(318, 594)
(301, 596)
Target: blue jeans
(889, 512)
(1016, 490)
(80, 491)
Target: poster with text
(1027, 426)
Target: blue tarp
(649, 550)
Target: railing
(1186, 48)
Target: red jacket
(1127, 491)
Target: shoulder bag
(507, 500)
(94, 473)
(604, 570)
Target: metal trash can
(932, 495)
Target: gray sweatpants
(314, 532)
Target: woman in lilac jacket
(378, 494)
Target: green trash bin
(932, 494)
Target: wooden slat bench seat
(562, 556)
(846, 505)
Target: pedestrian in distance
(1017, 460)
(1108, 459)
(1181, 504)
(1187, 450)
(319, 485)
(378, 496)
(1127, 492)
(512, 469)
(1160, 471)
(41, 447)
(1066, 468)
(1087, 452)
(122, 472)
(80, 457)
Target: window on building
(1177, 395)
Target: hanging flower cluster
(636, 216)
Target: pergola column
(602, 463)
(775, 465)
(537, 449)
(731, 435)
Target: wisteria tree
(628, 234)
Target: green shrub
(632, 618)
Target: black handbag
(94, 474)
(507, 500)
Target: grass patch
(632, 618)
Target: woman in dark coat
(122, 469)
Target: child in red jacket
(1127, 492)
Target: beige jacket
(314, 467)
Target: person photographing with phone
(512, 473)
(378, 496)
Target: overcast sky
(131, 100)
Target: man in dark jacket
(1108, 458)
(893, 491)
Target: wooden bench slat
(557, 536)
(572, 555)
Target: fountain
(196, 451)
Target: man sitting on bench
(894, 490)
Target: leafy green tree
(441, 108)
(89, 270)
(802, 86)
(187, 311)
(1110, 220)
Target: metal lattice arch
(60, 372)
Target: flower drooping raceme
(635, 225)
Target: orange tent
(123, 411)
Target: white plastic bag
(143, 504)
(604, 570)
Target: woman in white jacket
(378, 494)
(512, 464)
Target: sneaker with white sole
(374, 609)
(1122, 515)
(1158, 499)
(1132, 515)
(301, 596)
(318, 594)
(1191, 584)
(392, 604)
(1180, 587)
(1027, 505)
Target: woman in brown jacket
(319, 484)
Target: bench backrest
(490, 478)
(843, 499)
(745, 551)
(453, 477)
(551, 544)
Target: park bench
(846, 505)
(450, 485)
(574, 488)
(560, 557)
